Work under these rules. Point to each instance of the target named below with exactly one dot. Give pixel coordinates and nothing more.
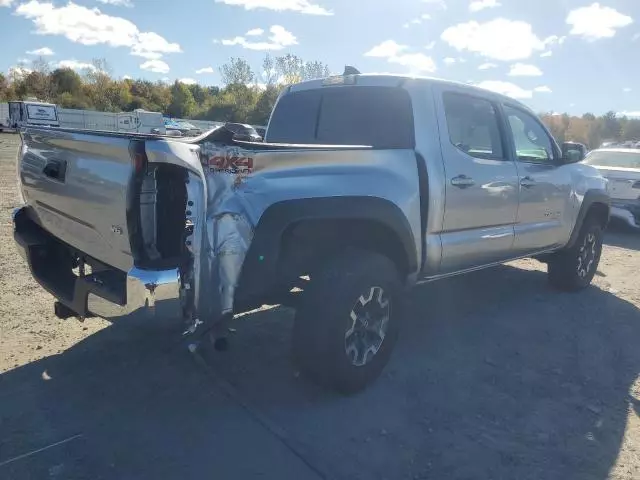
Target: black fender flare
(261, 261)
(592, 197)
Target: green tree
(631, 129)
(66, 80)
(182, 102)
(290, 68)
(262, 110)
(610, 126)
(313, 70)
(99, 82)
(237, 72)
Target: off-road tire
(323, 319)
(564, 266)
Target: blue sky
(554, 55)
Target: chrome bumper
(150, 293)
(107, 293)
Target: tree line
(247, 95)
(592, 130)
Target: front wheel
(573, 269)
(348, 321)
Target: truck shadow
(495, 376)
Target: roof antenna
(349, 70)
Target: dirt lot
(496, 376)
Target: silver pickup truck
(365, 185)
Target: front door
(544, 215)
(481, 191)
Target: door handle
(462, 181)
(527, 182)
(56, 169)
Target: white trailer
(138, 121)
(31, 113)
(4, 116)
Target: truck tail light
(138, 156)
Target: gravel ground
(495, 376)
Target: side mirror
(573, 152)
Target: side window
(473, 125)
(532, 142)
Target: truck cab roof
(393, 80)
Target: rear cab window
(473, 125)
(380, 117)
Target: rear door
(481, 196)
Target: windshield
(380, 117)
(613, 159)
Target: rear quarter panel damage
(242, 183)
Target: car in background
(186, 129)
(621, 167)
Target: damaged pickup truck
(365, 185)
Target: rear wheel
(574, 268)
(348, 321)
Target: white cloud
(430, 45)
(255, 32)
(393, 52)
(188, 81)
(440, 3)
(155, 66)
(44, 51)
(554, 39)
(505, 88)
(117, 3)
(487, 66)
(280, 38)
(626, 90)
(127, 77)
(75, 65)
(543, 89)
(301, 6)
(416, 62)
(524, 70)
(200, 71)
(500, 39)
(89, 26)
(449, 61)
(546, 54)
(5, 3)
(595, 21)
(417, 20)
(478, 5)
(150, 45)
(17, 72)
(628, 114)
(635, 37)
(388, 48)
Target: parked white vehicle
(138, 121)
(32, 113)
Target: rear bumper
(106, 292)
(628, 212)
